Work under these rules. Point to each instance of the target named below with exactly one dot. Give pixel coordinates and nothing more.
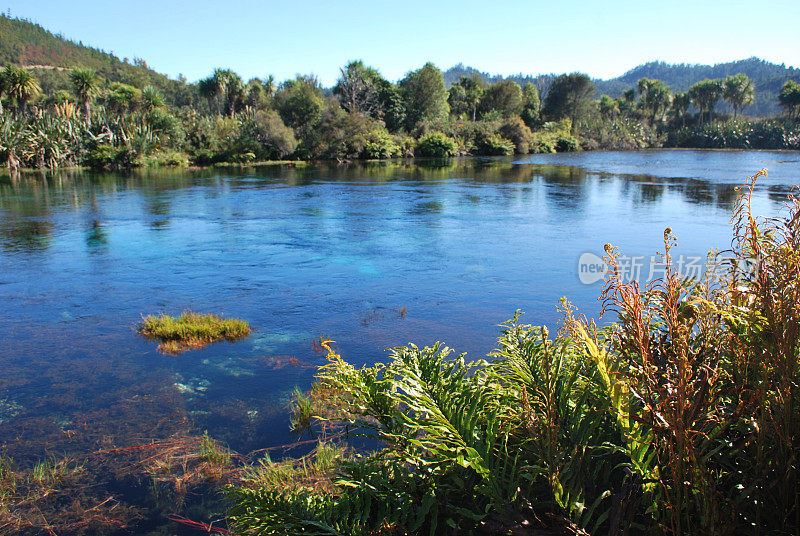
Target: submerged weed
(212, 452)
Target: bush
(495, 145)
(739, 134)
(104, 156)
(554, 137)
(164, 158)
(264, 135)
(566, 143)
(517, 131)
(436, 145)
(380, 145)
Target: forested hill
(25, 43)
(767, 77)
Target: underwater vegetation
(191, 330)
(680, 418)
(63, 496)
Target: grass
(313, 471)
(212, 452)
(302, 408)
(191, 330)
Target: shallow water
(305, 252)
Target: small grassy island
(191, 330)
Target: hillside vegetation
(48, 55)
(768, 79)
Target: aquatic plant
(191, 330)
(302, 411)
(212, 452)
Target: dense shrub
(437, 145)
(380, 144)
(108, 157)
(554, 137)
(494, 145)
(265, 136)
(739, 134)
(517, 131)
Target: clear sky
(257, 38)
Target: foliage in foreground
(683, 417)
(191, 330)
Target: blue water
(304, 252)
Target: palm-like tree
(84, 83)
(20, 85)
(739, 91)
(151, 98)
(208, 88)
(705, 95)
(223, 85)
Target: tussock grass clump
(191, 330)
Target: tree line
(223, 118)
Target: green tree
(738, 90)
(424, 95)
(681, 103)
(466, 94)
(225, 89)
(121, 98)
(300, 102)
(504, 97)
(531, 105)
(570, 95)
(705, 95)
(655, 97)
(21, 86)
(264, 134)
(209, 89)
(258, 93)
(627, 101)
(392, 104)
(457, 100)
(232, 89)
(85, 83)
(789, 97)
(357, 89)
(609, 108)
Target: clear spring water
(303, 252)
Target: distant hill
(767, 77)
(50, 56)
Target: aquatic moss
(191, 330)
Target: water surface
(303, 252)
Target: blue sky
(257, 38)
